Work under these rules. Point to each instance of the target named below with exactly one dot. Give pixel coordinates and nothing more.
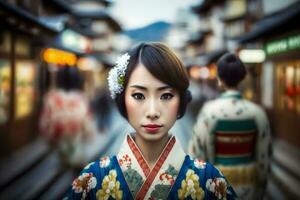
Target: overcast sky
(138, 13)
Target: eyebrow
(144, 88)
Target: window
(25, 74)
(5, 88)
(288, 84)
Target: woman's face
(152, 106)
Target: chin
(153, 136)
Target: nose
(152, 109)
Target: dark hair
(231, 70)
(163, 64)
(69, 78)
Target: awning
(98, 15)
(205, 6)
(21, 15)
(83, 18)
(65, 5)
(278, 23)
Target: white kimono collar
(131, 159)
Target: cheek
(172, 108)
(131, 107)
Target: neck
(226, 88)
(151, 150)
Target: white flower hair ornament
(116, 76)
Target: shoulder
(99, 167)
(256, 109)
(251, 104)
(207, 109)
(210, 104)
(212, 181)
(215, 104)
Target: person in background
(66, 120)
(101, 106)
(234, 134)
(149, 85)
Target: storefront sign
(252, 55)
(60, 57)
(283, 45)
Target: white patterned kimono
(128, 176)
(234, 135)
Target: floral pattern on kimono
(199, 182)
(110, 187)
(101, 179)
(128, 176)
(84, 183)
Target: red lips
(152, 128)
(152, 125)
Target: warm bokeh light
(5, 77)
(213, 71)
(60, 57)
(25, 88)
(252, 55)
(89, 63)
(204, 73)
(194, 72)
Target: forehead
(141, 76)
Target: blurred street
(49, 165)
(56, 112)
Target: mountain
(152, 32)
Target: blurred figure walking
(234, 134)
(101, 106)
(66, 121)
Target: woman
(149, 86)
(66, 120)
(234, 133)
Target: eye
(166, 96)
(138, 96)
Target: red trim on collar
(149, 180)
(142, 162)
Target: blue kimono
(175, 175)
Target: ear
(183, 105)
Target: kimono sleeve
(216, 185)
(263, 150)
(200, 138)
(99, 180)
(84, 186)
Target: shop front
(21, 39)
(18, 90)
(283, 61)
